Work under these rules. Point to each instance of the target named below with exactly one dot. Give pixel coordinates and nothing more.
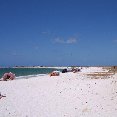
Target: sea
(27, 72)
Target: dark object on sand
(8, 76)
(1, 96)
(64, 70)
(55, 73)
(74, 70)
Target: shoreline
(56, 67)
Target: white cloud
(44, 32)
(47, 33)
(16, 54)
(58, 40)
(68, 41)
(71, 40)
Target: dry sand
(68, 95)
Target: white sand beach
(78, 94)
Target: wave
(29, 76)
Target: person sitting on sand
(55, 73)
(8, 76)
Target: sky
(58, 32)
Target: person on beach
(8, 76)
(1, 96)
(55, 73)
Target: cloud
(68, 41)
(47, 33)
(44, 32)
(58, 40)
(15, 54)
(71, 40)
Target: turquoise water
(26, 71)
